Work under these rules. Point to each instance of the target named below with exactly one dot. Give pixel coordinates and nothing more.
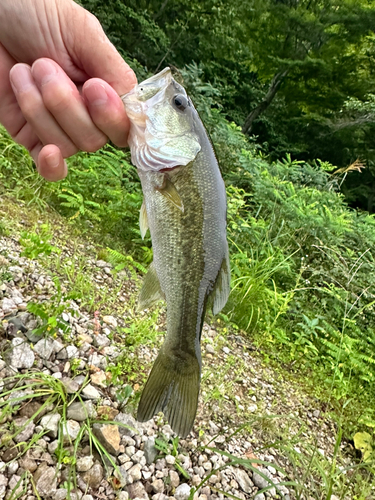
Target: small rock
(44, 348)
(101, 340)
(244, 481)
(226, 350)
(94, 476)
(158, 486)
(110, 320)
(15, 486)
(259, 481)
(137, 490)
(123, 495)
(28, 464)
(89, 392)
(70, 430)
(210, 349)
(25, 429)
(128, 425)
(70, 385)
(252, 408)
(81, 411)
(109, 437)
(170, 459)
(20, 355)
(182, 492)
(135, 472)
(85, 463)
(51, 423)
(8, 306)
(174, 478)
(99, 378)
(45, 480)
(60, 494)
(260, 496)
(3, 485)
(150, 450)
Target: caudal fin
(173, 388)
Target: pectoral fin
(143, 222)
(151, 291)
(221, 290)
(169, 190)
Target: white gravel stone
(44, 348)
(20, 354)
(8, 305)
(244, 481)
(70, 430)
(182, 492)
(170, 459)
(89, 392)
(85, 463)
(110, 320)
(51, 423)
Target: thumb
(94, 53)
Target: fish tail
(173, 388)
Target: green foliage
(37, 243)
(49, 313)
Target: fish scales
(185, 208)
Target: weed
(50, 313)
(37, 243)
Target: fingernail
(52, 161)
(20, 78)
(96, 94)
(43, 71)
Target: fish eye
(180, 102)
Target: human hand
(48, 49)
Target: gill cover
(162, 134)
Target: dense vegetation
(302, 259)
(299, 74)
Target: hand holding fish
(48, 50)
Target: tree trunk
(268, 98)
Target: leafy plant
(50, 313)
(37, 243)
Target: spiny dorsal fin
(221, 289)
(170, 192)
(151, 291)
(143, 222)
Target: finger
(62, 99)
(107, 110)
(96, 55)
(36, 114)
(51, 164)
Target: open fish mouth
(163, 118)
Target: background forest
(286, 89)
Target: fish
(184, 207)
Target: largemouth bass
(185, 209)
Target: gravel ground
(38, 440)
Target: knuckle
(58, 99)
(93, 143)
